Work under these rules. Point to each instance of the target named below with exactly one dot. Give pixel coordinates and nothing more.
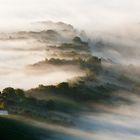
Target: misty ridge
(23, 48)
(59, 49)
(69, 70)
(58, 75)
(52, 49)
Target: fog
(120, 45)
(31, 34)
(114, 22)
(81, 13)
(109, 123)
(23, 55)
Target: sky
(116, 21)
(97, 14)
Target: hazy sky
(81, 13)
(120, 18)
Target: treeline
(18, 103)
(77, 92)
(91, 65)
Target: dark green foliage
(20, 93)
(9, 92)
(63, 86)
(78, 92)
(51, 105)
(18, 103)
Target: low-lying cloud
(37, 57)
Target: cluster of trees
(90, 61)
(79, 41)
(78, 92)
(18, 103)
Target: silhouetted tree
(9, 92)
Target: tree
(63, 85)
(20, 93)
(77, 39)
(9, 92)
